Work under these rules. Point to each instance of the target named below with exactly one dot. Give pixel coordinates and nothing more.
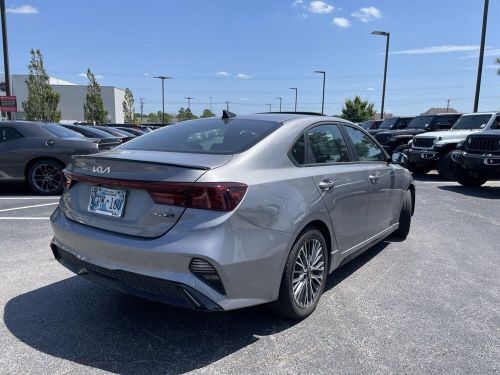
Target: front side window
(327, 145)
(420, 122)
(445, 122)
(471, 122)
(8, 134)
(389, 123)
(365, 147)
(496, 123)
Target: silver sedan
(224, 213)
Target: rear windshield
(60, 132)
(472, 122)
(211, 136)
(386, 124)
(420, 122)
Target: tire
(419, 169)
(310, 247)
(465, 179)
(401, 148)
(445, 167)
(45, 177)
(405, 216)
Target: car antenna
(227, 114)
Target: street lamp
(481, 55)
(163, 78)
(387, 35)
(280, 98)
(189, 101)
(5, 53)
(323, 100)
(295, 88)
(270, 107)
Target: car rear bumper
(422, 156)
(486, 164)
(249, 260)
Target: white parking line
(31, 198)
(33, 206)
(23, 218)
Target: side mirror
(427, 126)
(399, 158)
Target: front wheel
(445, 166)
(304, 276)
(419, 169)
(465, 179)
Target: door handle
(326, 185)
(373, 178)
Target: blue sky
(250, 52)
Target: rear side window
(210, 136)
(8, 134)
(366, 148)
(327, 145)
(299, 150)
(445, 122)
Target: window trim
(340, 125)
(387, 157)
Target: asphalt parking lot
(430, 304)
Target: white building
(72, 97)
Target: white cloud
(23, 9)
(97, 76)
(222, 73)
(304, 15)
(370, 89)
(488, 51)
(244, 99)
(243, 76)
(146, 74)
(367, 14)
(320, 7)
(436, 49)
(296, 3)
(341, 22)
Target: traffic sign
(8, 104)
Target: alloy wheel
(47, 178)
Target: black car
(38, 153)
(104, 140)
(134, 131)
(125, 136)
(477, 159)
(393, 140)
(370, 124)
(392, 123)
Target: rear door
(384, 198)
(342, 184)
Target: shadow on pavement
(15, 188)
(80, 322)
(485, 192)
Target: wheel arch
(38, 158)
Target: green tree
(128, 107)
(93, 108)
(358, 110)
(207, 113)
(185, 114)
(41, 101)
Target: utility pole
(388, 36)
(270, 107)
(189, 101)
(481, 55)
(211, 104)
(280, 98)
(295, 88)
(163, 78)
(5, 53)
(142, 107)
(448, 106)
(227, 106)
(323, 100)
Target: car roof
(287, 116)
(481, 113)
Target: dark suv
(393, 123)
(399, 138)
(477, 159)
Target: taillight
(220, 196)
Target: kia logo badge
(100, 169)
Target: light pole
(280, 98)
(5, 53)
(142, 107)
(227, 105)
(295, 88)
(163, 78)
(388, 36)
(189, 101)
(270, 107)
(323, 100)
(481, 55)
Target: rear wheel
(45, 177)
(445, 166)
(304, 276)
(405, 216)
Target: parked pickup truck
(477, 159)
(429, 151)
(393, 140)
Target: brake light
(219, 196)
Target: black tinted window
(211, 136)
(472, 122)
(327, 145)
(60, 131)
(420, 122)
(366, 149)
(299, 151)
(7, 134)
(496, 123)
(445, 122)
(389, 123)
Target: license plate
(109, 202)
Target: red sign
(8, 104)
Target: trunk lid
(125, 173)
